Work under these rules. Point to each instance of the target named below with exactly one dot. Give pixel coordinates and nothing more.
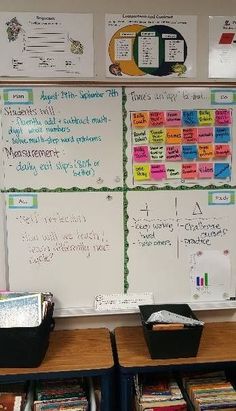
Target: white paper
(46, 45)
(222, 46)
(111, 302)
(210, 275)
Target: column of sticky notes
(181, 144)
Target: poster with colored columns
(170, 146)
(150, 46)
(222, 46)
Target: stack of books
(12, 396)
(158, 394)
(63, 395)
(210, 391)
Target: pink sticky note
(173, 153)
(205, 170)
(156, 118)
(222, 150)
(189, 135)
(223, 117)
(205, 135)
(173, 118)
(189, 171)
(141, 154)
(158, 171)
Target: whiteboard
(135, 232)
(172, 234)
(180, 136)
(62, 137)
(70, 244)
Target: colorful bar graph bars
(202, 281)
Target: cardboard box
(25, 346)
(171, 343)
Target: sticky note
(157, 152)
(189, 152)
(173, 135)
(140, 119)
(173, 171)
(141, 154)
(190, 118)
(189, 171)
(222, 134)
(205, 151)
(156, 118)
(205, 134)
(141, 172)
(222, 170)
(223, 117)
(140, 136)
(206, 117)
(158, 171)
(157, 135)
(173, 153)
(205, 170)
(173, 118)
(222, 150)
(189, 135)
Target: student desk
(73, 353)
(217, 351)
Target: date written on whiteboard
(119, 302)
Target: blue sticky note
(222, 170)
(190, 118)
(222, 134)
(189, 152)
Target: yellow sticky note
(206, 117)
(205, 151)
(173, 136)
(140, 119)
(141, 172)
(157, 135)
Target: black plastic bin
(25, 346)
(174, 343)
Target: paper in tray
(165, 316)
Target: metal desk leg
(106, 392)
(126, 391)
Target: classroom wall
(201, 8)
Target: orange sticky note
(205, 151)
(140, 119)
(173, 135)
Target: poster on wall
(46, 45)
(222, 46)
(150, 46)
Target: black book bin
(25, 346)
(171, 343)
